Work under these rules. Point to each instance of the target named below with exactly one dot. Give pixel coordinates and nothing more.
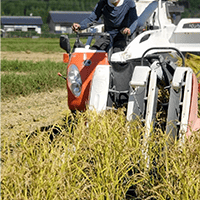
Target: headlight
(74, 80)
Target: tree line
(192, 8)
(42, 7)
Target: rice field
(21, 78)
(47, 45)
(100, 160)
(91, 156)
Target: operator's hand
(126, 31)
(76, 27)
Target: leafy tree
(42, 7)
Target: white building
(61, 21)
(21, 23)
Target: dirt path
(26, 114)
(34, 56)
(29, 113)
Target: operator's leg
(102, 43)
(119, 43)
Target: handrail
(162, 48)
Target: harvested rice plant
(99, 157)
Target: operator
(120, 21)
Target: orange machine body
(86, 72)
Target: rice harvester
(135, 78)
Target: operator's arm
(133, 19)
(95, 15)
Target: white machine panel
(99, 88)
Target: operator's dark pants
(104, 43)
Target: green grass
(47, 45)
(23, 78)
(100, 160)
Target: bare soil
(34, 111)
(34, 56)
(26, 114)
